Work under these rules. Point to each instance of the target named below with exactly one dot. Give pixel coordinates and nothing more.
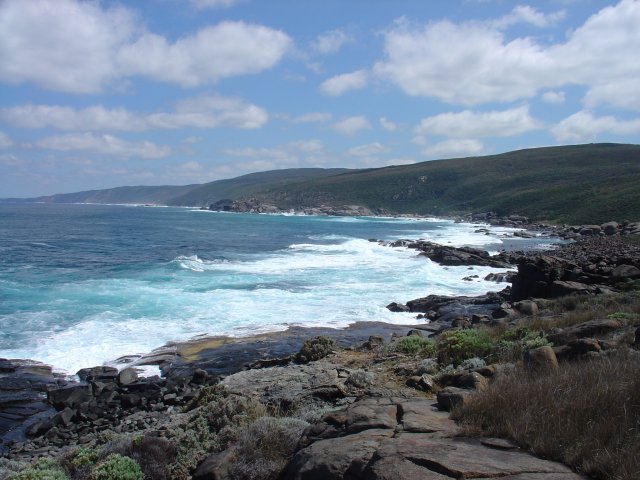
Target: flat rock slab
(406, 439)
(421, 416)
(465, 458)
(290, 383)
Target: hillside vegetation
(576, 184)
(572, 184)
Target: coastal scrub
(586, 414)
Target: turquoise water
(81, 285)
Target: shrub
(413, 345)
(455, 346)
(516, 341)
(586, 414)
(428, 365)
(154, 454)
(472, 363)
(43, 469)
(117, 467)
(315, 349)
(360, 378)
(265, 446)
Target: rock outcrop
(395, 438)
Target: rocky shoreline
(378, 417)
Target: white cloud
(352, 125)
(584, 126)
(313, 117)
(81, 47)
(454, 148)
(202, 4)
(465, 124)
(330, 42)
(286, 155)
(342, 83)
(215, 52)
(553, 97)
(198, 112)
(367, 150)
(388, 125)
(472, 63)
(5, 141)
(527, 14)
(105, 144)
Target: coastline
(188, 367)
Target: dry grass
(572, 310)
(586, 415)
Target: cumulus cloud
(367, 150)
(200, 112)
(388, 125)
(454, 148)
(104, 144)
(5, 141)
(472, 63)
(529, 15)
(330, 42)
(343, 83)
(215, 52)
(352, 125)
(466, 124)
(584, 126)
(82, 47)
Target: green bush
(515, 342)
(455, 346)
(414, 345)
(315, 349)
(117, 467)
(43, 469)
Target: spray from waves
(335, 282)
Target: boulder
(97, 374)
(450, 397)
(72, 396)
(127, 376)
(526, 307)
(541, 359)
(591, 328)
(623, 272)
(336, 458)
(609, 228)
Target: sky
(99, 94)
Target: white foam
(305, 284)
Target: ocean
(81, 285)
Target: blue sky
(97, 94)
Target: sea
(83, 285)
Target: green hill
(249, 185)
(569, 184)
(572, 184)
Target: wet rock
(127, 376)
(97, 374)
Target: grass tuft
(586, 414)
